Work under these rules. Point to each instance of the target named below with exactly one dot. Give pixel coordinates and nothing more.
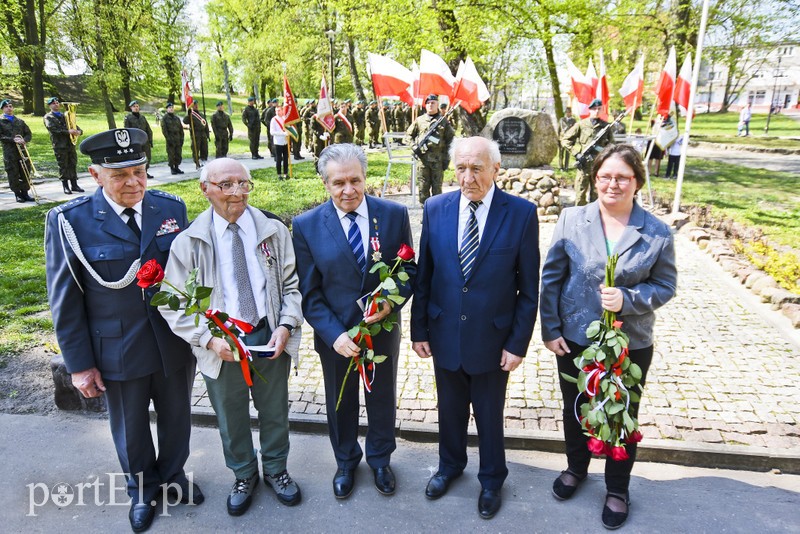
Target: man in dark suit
(112, 340)
(474, 307)
(332, 279)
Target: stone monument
(526, 138)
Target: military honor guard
(135, 119)
(251, 119)
(61, 137)
(14, 135)
(198, 128)
(172, 128)
(566, 122)
(359, 122)
(436, 151)
(576, 140)
(343, 131)
(223, 130)
(374, 121)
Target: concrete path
(755, 160)
(45, 458)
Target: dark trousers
(380, 441)
(200, 147)
(129, 416)
(430, 176)
(672, 166)
(174, 153)
(618, 474)
(254, 134)
(563, 158)
(67, 160)
(487, 394)
(296, 145)
(13, 165)
(282, 159)
(221, 144)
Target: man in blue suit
(332, 280)
(112, 340)
(474, 307)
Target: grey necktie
(247, 303)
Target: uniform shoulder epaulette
(71, 204)
(163, 194)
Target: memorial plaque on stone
(512, 134)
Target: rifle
(588, 153)
(421, 147)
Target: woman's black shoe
(562, 491)
(613, 520)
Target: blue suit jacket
(575, 268)
(116, 331)
(469, 322)
(330, 278)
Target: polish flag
(186, 95)
(390, 79)
(683, 84)
(414, 89)
(632, 88)
(434, 75)
(291, 114)
(324, 114)
(591, 74)
(666, 84)
(602, 88)
(470, 89)
(581, 85)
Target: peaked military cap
(116, 149)
(431, 98)
(596, 103)
(51, 100)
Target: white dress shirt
(480, 214)
(119, 209)
(362, 220)
(230, 291)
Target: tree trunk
(37, 52)
(553, 74)
(125, 71)
(351, 53)
(26, 83)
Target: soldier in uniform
(343, 131)
(112, 341)
(435, 158)
(374, 121)
(13, 133)
(251, 119)
(359, 122)
(223, 130)
(266, 118)
(198, 127)
(566, 122)
(298, 144)
(172, 128)
(308, 118)
(135, 119)
(64, 149)
(576, 140)
(321, 137)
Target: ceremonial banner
(666, 84)
(324, 114)
(434, 75)
(591, 75)
(186, 95)
(602, 88)
(291, 114)
(469, 89)
(683, 84)
(414, 89)
(390, 79)
(632, 88)
(581, 87)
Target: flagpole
(202, 91)
(676, 205)
(288, 137)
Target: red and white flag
(414, 89)
(324, 114)
(581, 89)
(390, 79)
(632, 88)
(591, 75)
(186, 93)
(683, 85)
(291, 114)
(469, 89)
(434, 75)
(602, 88)
(666, 84)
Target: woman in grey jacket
(572, 296)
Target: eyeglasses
(621, 180)
(231, 188)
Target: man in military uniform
(566, 122)
(172, 128)
(135, 119)
(64, 149)
(251, 119)
(436, 151)
(198, 129)
(112, 341)
(308, 118)
(374, 121)
(359, 122)
(14, 133)
(576, 140)
(223, 130)
(321, 137)
(298, 143)
(399, 118)
(266, 118)
(343, 131)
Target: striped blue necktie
(356, 244)
(469, 242)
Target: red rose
(619, 454)
(617, 324)
(405, 253)
(596, 446)
(634, 437)
(150, 274)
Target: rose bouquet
(198, 300)
(607, 378)
(387, 291)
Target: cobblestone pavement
(722, 372)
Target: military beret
(347, 101)
(431, 98)
(442, 105)
(360, 102)
(596, 103)
(568, 110)
(51, 100)
(251, 99)
(5, 103)
(220, 103)
(273, 101)
(170, 105)
(373, 102)
(133, 103)
(116, 149)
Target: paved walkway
(755, 160)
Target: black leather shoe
(258, 157)
(149, 176)
(562, 491)
(438, 484)
(489, 503)
(141, 516)
(20, 199)
(173, 171)
(343, 483)
(613, 520)
(67, 190)
(195, 494)
(298, 158)
(26, 197)
(76, 188)
(384, 480)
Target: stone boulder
(542, 140)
